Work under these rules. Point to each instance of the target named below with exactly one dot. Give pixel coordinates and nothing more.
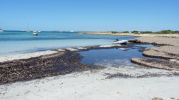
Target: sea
(18, 42)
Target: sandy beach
(94, 85)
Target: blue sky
(89, 15)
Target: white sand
(93, 86)
(25, 56)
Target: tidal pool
(113, 57)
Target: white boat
(121, 42)
(35, 33)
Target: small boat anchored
(35, 33)
(122, 42)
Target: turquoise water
(23, 42)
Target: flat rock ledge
(159, 54)
(157, 63)
(166, 56)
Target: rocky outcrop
(165, 57)
(157, 63)
(159, 54)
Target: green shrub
(166, 32)
(146, 32)
(114, 32)
(135, 32)
(125, 32)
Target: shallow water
(113, 57)
(23, 42)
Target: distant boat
(35, 33)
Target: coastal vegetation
(158, 32)
(114, 32)
(147, 32)
(168, 32)
(171, 33)
(125, 32)
(136, 32)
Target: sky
(89, 15)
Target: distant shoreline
(133, 34)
